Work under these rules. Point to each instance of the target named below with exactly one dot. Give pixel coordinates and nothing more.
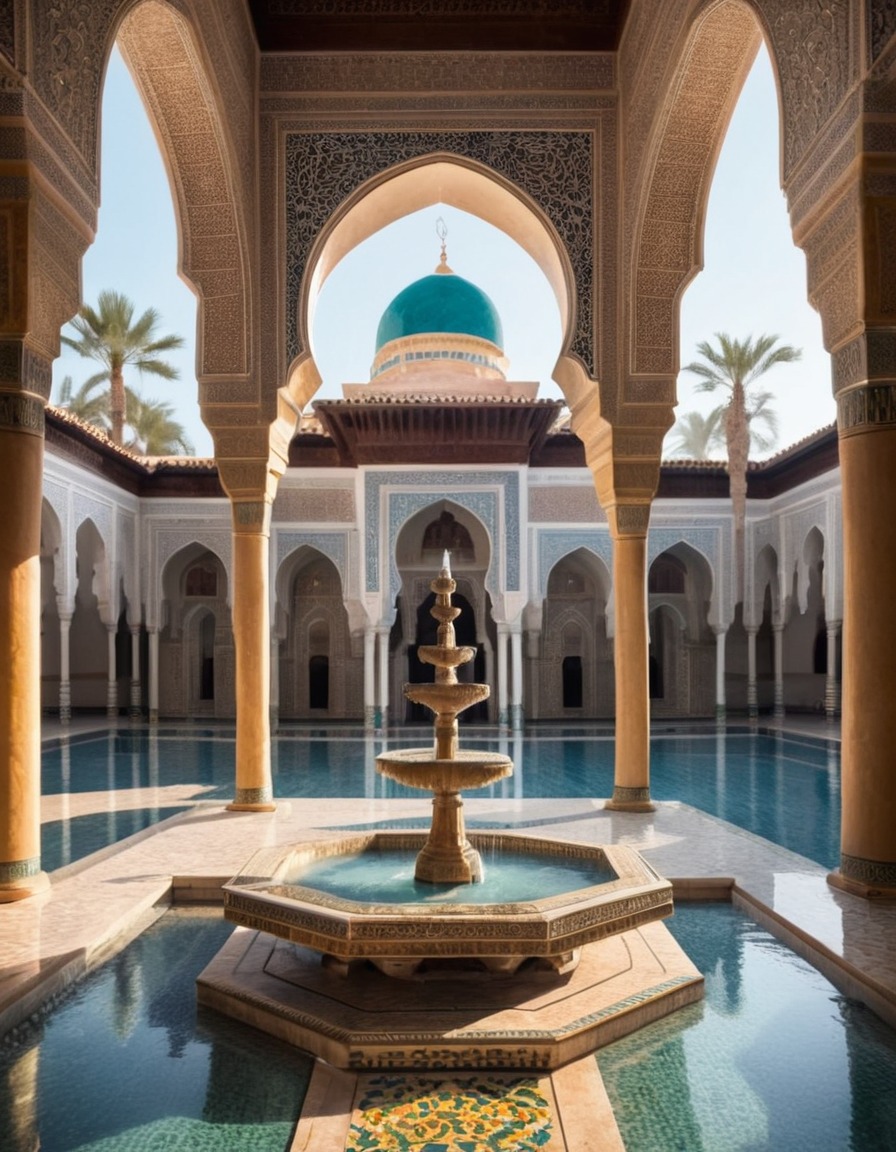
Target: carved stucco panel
(315, 504)
(813, 47)
(565, 504)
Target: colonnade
(840, 180)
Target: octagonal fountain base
(366, 1020)
(530, 983)
(412, 929)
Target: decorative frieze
(873, 873)
(871, 406)
(449, 72)
(21, 413)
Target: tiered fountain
(337, 899)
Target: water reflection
(774, 1058)
(92, 1068)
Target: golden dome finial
(442, 232)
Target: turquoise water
(388, 877)
(125, 1062)
(773, 1060)
(787, 791)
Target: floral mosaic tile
(464, 1114)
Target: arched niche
(569, 672)
(320, 671)
(196, 650)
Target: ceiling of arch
(446, 25)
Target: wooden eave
(436, 431)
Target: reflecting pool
(774, 1058)
(125, 1062)
(785, 790)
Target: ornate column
(778, 639)
(369, 677)
(252, 643)
(631, 788)
(831, 683)
(752, 694)
(24, 384)
(867, 422)
(136, 702)
(516, 678)
(152, 700)
(720, 674)
(65, 683)
(111, 673)
(382, 636)
(502, 675)
(848, 229)
(625, 463)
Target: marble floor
(93, 907)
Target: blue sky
(754, 279)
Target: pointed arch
(668, 246)
(204, 134)
(428, 180)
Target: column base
(630, 800)
(21, 888)
(252, 800)
(871, 879)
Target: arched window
(201, 580)
(667, 574)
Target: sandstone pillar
(21, 465)
(251, 637)
(867, 419)
(631, 789)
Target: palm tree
(155, 431)
(697, 435)
(110, 335)
(87, 404)
(733, 367)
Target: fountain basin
(420, 768)
(422, 939)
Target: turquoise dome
(441, 302)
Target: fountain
(447, 857)
(438, 928)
